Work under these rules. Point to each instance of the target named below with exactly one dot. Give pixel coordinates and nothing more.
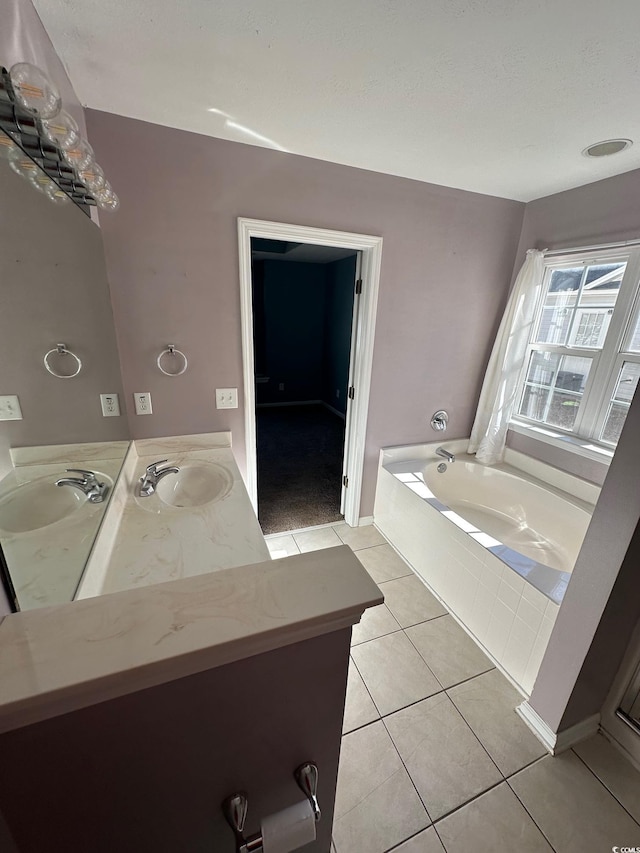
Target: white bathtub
(496, 544)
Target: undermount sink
(37, 504)
(195, 485)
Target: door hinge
(358, 287)
(352, 393)
(345, 481)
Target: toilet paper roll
(289, 829)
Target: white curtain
(500, 388)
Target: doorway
(333, 416)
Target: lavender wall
(54, 288)
(172, 258)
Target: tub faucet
(152, 476)
(445, 455)
(88, 483)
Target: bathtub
(496, 544)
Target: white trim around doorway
(371, 249)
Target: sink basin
(37, 504)
(195, 485)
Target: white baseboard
(364, 520)
(557, 742)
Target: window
(583, 362)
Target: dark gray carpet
(299, 467)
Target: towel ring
(61, 349)
(174, 353)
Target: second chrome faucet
(153, 475)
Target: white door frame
(371, 248)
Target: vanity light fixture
(43, 143)
(607, 147)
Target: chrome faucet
(88, 483)
(445, 454)
(150, 480)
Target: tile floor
(434, 757)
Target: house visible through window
(583, 364)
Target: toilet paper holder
(236, 806)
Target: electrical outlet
(281, 386)
(143, 403)
(110, 405)
(10, 408)
(226, 398)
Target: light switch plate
(110, 405)
(226, 398)
(143, 403)
(10, 408)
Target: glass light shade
(34, 91)
(92, 177)
(41, 181)
(22, 165)
(106, 198)
(56, 195)
(7, 145)
(79, 156)
(62, 130)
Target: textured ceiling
(496, 96)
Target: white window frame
(606, 363)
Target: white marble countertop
(58, 659)
(156, 542)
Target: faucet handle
(153, 468)
(88, 475)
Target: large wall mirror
(61, 403)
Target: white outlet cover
(10, 408)
(226, 398)
(142, 401)
(110, 405)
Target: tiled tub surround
(508, 601)
(154, 542)
(47, 564)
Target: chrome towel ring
(62, 350)
(176, 356)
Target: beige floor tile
(383, 564)
(425, 842)
(410, 601)
(572, 808)
(282, 546)
(613, 770)
(360, 537)
(449, 651)
(488, 704)
(359, 708)
(445, 760)
(494, 823)
(375, 622)
(376, 805)
(394, 672)
(316, 540)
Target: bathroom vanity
(189, 665)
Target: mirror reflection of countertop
(199, 520)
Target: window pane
(578, 305)
(619, 405)
(559, 302)
(553, 388)
(634, 342)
